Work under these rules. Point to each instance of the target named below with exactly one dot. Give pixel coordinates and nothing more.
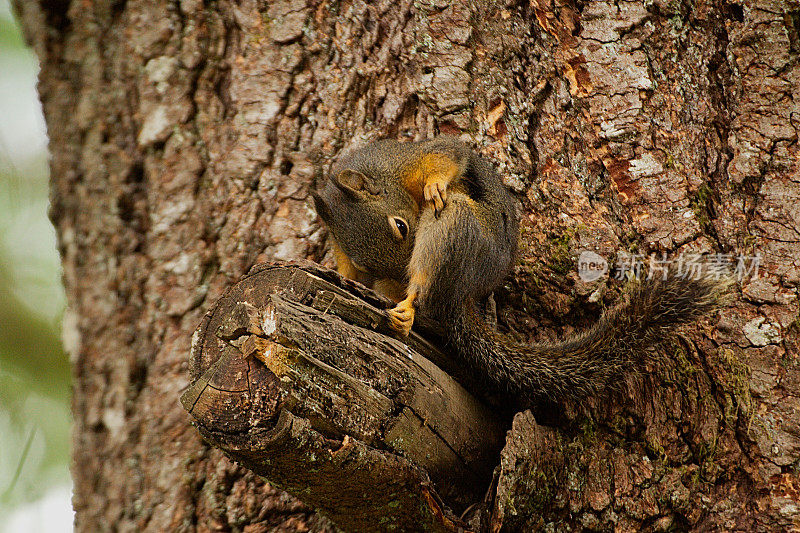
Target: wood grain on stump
(295, 375)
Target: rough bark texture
(185, 140)
(290, 379)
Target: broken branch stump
(296, 375)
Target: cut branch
(295, 376)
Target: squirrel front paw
(435, 192)
(402, 317)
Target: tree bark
(185, 139)
(291, 381)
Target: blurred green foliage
(9, 35)
(34, 371)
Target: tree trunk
(186, 138)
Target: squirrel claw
(436, 193)
(401, 318)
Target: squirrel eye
(399, 227)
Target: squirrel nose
(322, 208)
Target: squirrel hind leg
(401, 316)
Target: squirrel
(431, 225)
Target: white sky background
(53, 513)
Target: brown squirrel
(432, 225)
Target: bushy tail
(583, 365)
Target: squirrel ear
(354, 183)
(350, 181)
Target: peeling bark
(186, 137)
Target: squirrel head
(374, 223)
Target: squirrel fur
(432, 225)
